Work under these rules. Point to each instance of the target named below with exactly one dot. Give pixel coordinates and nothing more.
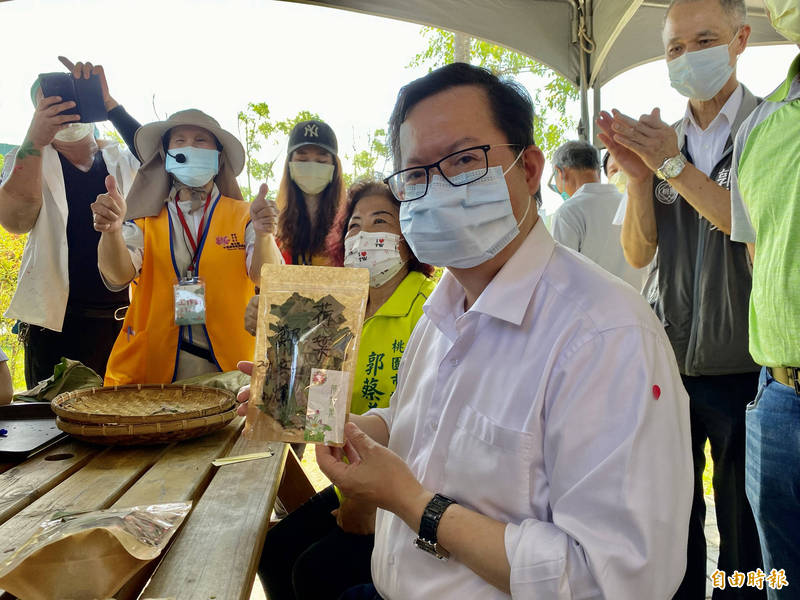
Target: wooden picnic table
(215, 553)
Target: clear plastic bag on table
(307, 338)
(89, 555)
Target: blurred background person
(585, 221)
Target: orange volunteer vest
(146, 350)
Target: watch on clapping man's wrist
(672, 167)
(429, 524)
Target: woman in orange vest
(190, 246)
(311, 190)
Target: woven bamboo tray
(140, 404)
(147, 433)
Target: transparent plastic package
(307, 338)
(89, 555)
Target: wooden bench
(216, 552)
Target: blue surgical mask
(701, 74)
(553, 185)
(462, 226)
(199, 165)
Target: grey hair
(735, 9)
(578, 155)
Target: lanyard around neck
(193, 242)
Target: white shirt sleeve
(741, 227)
(249, 244)
(619, 217)
(134, 240)
(568, 227)
(8, 164)
(3, 357)
(618, 462)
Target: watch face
(674, 166)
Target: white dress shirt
(554, 404)
(585, 224)
(706, 146)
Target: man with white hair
(679, 203)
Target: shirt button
(434, 425)
(454, 361)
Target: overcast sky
(217, 56)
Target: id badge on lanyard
(190, 301)
(190, 292)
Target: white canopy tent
(588, 41)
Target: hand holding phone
(87, 94)
(51, 115)
(83, 70)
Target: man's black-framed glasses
(459, 168)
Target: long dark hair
(357, 191)
(295, 232)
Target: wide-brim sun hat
(149, 138)
(152, 184)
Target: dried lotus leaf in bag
(307, 339)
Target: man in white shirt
(539, 433)
(585, 221)
(679, 203)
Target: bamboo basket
(159, 432)
(141, 404)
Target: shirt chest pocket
(489, 467)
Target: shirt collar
(727, 112)
(596, 188)
(508, 294)
(790, 89)
(183, 203)
(402, 299)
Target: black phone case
(86, 93)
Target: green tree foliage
(10, 258)
(262, 135)
(550, 98)
(371, 161)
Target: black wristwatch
(428, 525)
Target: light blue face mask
(701, 74)
(462, 226)
(192, 166)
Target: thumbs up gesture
(264, 213)
(109, 209)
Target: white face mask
(701, 74)
(75, 132)
(784, 15)
(461, 226)
(620, 181)
(378, 252)
(310, 176)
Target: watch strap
(429, 524)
